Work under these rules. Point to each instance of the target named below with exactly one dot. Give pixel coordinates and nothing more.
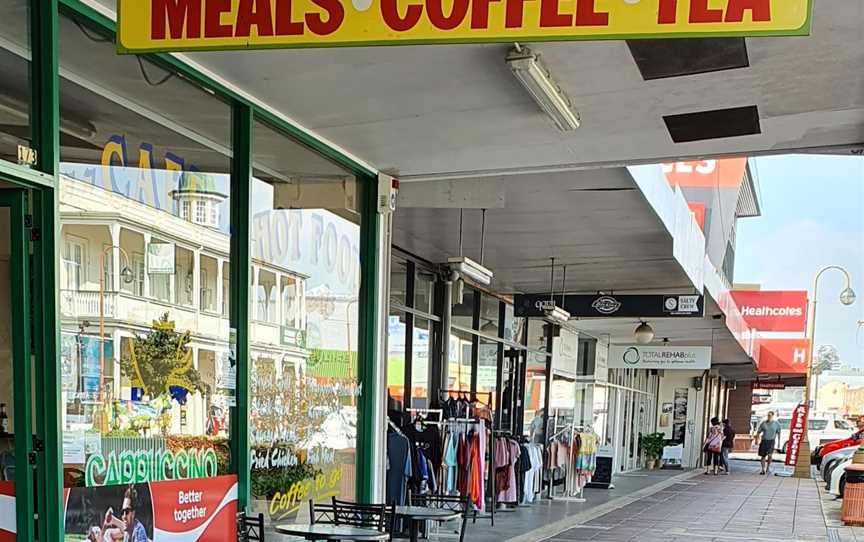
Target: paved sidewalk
(546, 518)
(743, 506)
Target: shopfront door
(18, 443)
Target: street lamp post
(847, 297)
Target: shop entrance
(18, 441)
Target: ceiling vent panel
(715, 124)
(659, 59)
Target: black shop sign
(615, 306)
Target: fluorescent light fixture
(471, 269)
(556, 315)
(534, 76)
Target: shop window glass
(463, 309)
(459, 366)
(305, 221)
(489, 315)
(398, 281)
(487, 371)
(147, 382)
(15, 80)
(396, 355)
(424, 285)
(421, 353)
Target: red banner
(714, 174)
(782, 356)
(796, 434)
(7, 511)
(698, 210)
(780, 311)
(197, 509)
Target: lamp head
(644, 333)
(847, 296)
(127, 275)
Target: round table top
(324, 531)
(423, 512)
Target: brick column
(738, 411)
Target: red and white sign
(781, 311)
(782, 356)
(7, 511)
(796, 434)
(698, 210)
(713, 174)
(203, 509)
(197, 509)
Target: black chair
(448, 502)
(378, 517)
(250, 529)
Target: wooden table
(418, 514)
(326, 531)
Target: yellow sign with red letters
(188, 25)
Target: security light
(467, 267)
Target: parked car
(837, 484)
(819, 431)
(830, 461)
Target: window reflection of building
(195, 294)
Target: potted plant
(652, 445)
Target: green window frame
(42, 180)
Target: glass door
(17, 441)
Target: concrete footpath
(743, 506)
(546, 518)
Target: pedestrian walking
(713, 447)
(728, 443)
(766, 434)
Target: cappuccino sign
(659, 357)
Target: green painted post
(45, 127)
(241, 180)
(15, 201)
(367, 363)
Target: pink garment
(507, 453)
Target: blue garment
(424, 467)
(139, 534)
(451, 461)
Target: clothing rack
(419, 411)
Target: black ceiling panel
(715, 124)
(658, 59)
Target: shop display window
(420, 359)
(15, 130)
(396, 356)
(424, 288)
(489, 315)
(305, 229)
(459, 366)
(147, 360)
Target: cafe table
(416, 515)
(327, 531)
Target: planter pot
(658, 463)
(650, 464)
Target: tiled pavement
(743, 506)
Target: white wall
(671, 381)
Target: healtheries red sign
(780, 311)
